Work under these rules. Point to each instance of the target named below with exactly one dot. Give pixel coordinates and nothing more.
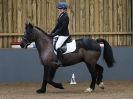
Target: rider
(61, 29)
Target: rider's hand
(52, 35)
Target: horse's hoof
(41, 91)
(60, 86)
(101, 85)
(88, 90)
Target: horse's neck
(43, 41)
(43, 44)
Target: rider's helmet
(62, 5)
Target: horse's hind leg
(99, 69)
(43, 88)
(93, 73)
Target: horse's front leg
(51, 74)
(43, 88)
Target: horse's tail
(107, 53)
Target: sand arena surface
(113, 90)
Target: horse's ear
(30, 25)
(28, 22)
(26, 25)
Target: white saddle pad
(71, 47)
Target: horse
(87, 50)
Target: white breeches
(60, 41)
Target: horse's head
(28, 37)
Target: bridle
(25, 40)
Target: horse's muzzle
(23, 45)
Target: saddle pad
(71, 47)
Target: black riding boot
(59, 56)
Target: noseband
(26, 41)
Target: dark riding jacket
(61, 27)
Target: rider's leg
(58, 45)
(60, 41)
(59, 55)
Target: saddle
(68, 46)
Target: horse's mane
(41, 30)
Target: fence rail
(115, 39)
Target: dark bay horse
(88, 51)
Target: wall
(20, 65)
(132, 15)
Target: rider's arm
(64, 25)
